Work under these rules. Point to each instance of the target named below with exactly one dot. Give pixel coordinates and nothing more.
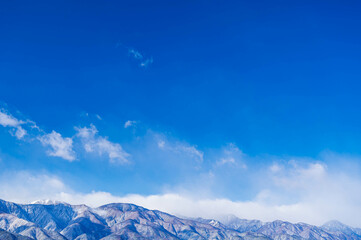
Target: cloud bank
(321, 196)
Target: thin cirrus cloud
(93, 143)
(179, 148)
(140, 58)
(135, 54)
(146, 62)
(231, 155)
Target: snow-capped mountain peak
(47, 202)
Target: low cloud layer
(319, 196)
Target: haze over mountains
(47, 220)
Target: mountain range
(61, 221)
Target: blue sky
(180, 100)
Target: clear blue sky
(267, 79)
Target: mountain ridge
(46, 220)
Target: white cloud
(63, 146)
(7, 120)
(129, 123)
(60, 147)
(93, 143)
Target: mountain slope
(338, 229)
(61, 221)
(4, 235)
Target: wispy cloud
(129, 123)
(59, 146)
(7, 120)
(134, 53)
(229, 160)
(142, 60)
(93, 143)
(146, 62)
(231, 155)
(179, 148)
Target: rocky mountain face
(61, 221)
